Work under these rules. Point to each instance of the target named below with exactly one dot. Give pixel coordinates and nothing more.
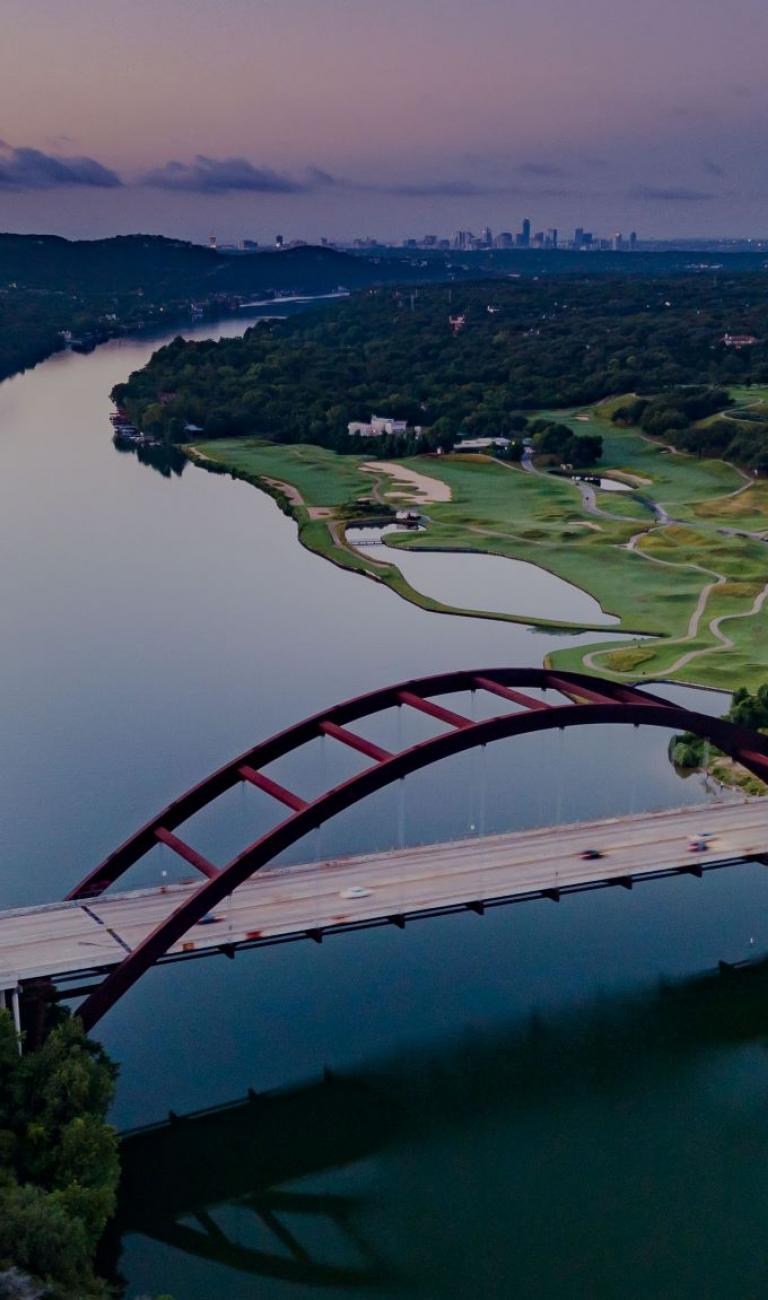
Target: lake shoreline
(327, 542)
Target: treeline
(160, 268)
(99, 288)
(59, 1165)
(561, 446)
(676, 417)
(461, 360)
(30, 330)
(746, 710)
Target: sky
(389, 118)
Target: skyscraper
(525, 234)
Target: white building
(482, 444)
(380, 426)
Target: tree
(585, 449)
(59, 1166)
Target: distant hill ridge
(163, 268)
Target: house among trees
(380, 426)
(739, 340)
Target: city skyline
(333, 117)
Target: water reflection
(168, 461)
(318, 1186)
(220, 1188)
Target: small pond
(483, 582)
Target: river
(555, 1106)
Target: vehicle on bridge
(161, 924)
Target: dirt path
(714, 626)
(586, 491)
(296, 499)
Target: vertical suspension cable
(559, 779)
(397, 793)
(318, 832)
(473, 779)
(401, 837)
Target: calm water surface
(492, 582)
(551, 1101)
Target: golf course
(678, 557)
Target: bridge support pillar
(9, 1001)
(34, 1001)
(16, 1012)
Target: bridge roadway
(63, 940)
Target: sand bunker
(424, 488)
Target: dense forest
(684, 419)
(99, 288)
(460, 359)
(59, 1165)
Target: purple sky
(388, 117)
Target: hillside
(162, 268)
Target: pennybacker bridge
(93, 946)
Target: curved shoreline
(661, 611)
(329, 545)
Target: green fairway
(694, 590)
(322, 477)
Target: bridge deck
(65, 939)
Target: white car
(355, 891)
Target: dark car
(590, 854)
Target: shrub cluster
(59, 1165)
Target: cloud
(31, 169)
(317, 178)
(461, 189)
(429, 189)
(539, 169)
(668, 194)
(224, 175)
(205, 175)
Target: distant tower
(633, 241)
(279, 241)
(212, 241)
(525, 234)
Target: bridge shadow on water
(180, 1175)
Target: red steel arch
(591, 701)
